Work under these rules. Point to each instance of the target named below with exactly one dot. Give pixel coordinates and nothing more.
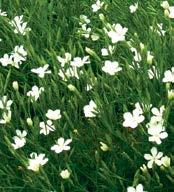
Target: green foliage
(54, 25)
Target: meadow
(86, 96)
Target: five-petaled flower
(61, 145)
(53, 114)
(46, 127)
(91, 109)
(138, 188)
(35, 93)
(98, 5)
(153, 158)
(111, 67)
(19, 139)
(36, 161)
(117, 33)
(41, 71)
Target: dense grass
(54, 25)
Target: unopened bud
(29, 122)
(15, 85)
(165, 161)
(166, 13)
(104, 147)
(102, 17)
(170, 94)
(167, 86)
(71, 87)
(149, 58)
(142, 46)
(143, 168)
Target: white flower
(65, 174)
(104, 52)
(79, 62)
(53, 114)
(90, 110)
(117, 33)
(35, 92)
(133, 8)
(154, 158)
(89, 87)
(19, 139)
(4, 103)
(46, 127)
(19, 54)
(158, 113)
(169, 76)
(6, 60)
(41, 71)
(165, 5)
(138, 188)
(104, 147)
(138, 107)
(61, 145)
(171, 12)
(137, 56)
(95, 37)
(159, 29)
(85, 31)
(19, 25)
(111, 67)
(70, 72)
(107, 51)
(6, 117)
(157, 133)
(3, 13)
(73, 72)
(165, 161)
(36, 161)
(98, 5)
(84, 20)
(153, 72)
(66, 59)
(155, 126)
(132, 119)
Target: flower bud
(165, 161)
(143, 168)
(142, 46)
(95, 37)
(15, 85)
(166, 13)
(71, 87)
(102, 17)
(29, 122)
(104, 147)
(75, 131)
(167, 86)
(65, 174)
(149, 58)
(171, 94)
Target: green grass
(54, 26)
